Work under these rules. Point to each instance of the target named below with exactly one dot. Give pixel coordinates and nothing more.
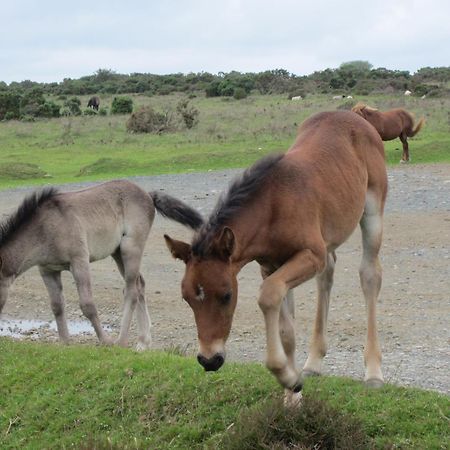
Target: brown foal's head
(210, 288)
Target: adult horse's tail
(417, 128)
(175, 209)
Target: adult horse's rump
(290, 213)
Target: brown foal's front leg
(301, 267)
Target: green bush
(103, 112)
(9, 116)
(72, 107)
(239, 93)
(48, 109)
(9, 105)
(122, 105)
(89, 112)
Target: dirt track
(414, 308)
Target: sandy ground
(414, 309)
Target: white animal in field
(349, 96)
(297, 97)
(423, 96)
(407, 92)
(338, 97)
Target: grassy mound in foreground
(91, 397)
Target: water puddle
(19, 328)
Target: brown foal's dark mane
(241, 191)
(24, 212)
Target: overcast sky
(46, 40)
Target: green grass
(91, 397)
(230, 133)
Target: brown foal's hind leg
(52, 281)
(370, 277)
(301, 267)
(405, 155)
(80, 270)
(318, 346)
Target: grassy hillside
(91, 397)
(231, 133)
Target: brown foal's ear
(179, 249)
(226, 243)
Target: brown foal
(290, 213)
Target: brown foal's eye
(226, 298)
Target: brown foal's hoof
(374, 383)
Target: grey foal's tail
(175, 209)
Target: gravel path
(414, 308)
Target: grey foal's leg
(52, 281)
(81, 274)
(128, 259)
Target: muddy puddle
(21, 328)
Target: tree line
(29, 98)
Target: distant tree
(356, 66)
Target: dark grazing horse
(290, 213)
(59, 231)
(392, 124)
(94, 103)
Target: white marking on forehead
(201, 293)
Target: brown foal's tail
(418, 127)
(175, 209)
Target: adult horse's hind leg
(405, 155)
(128, 259)
(370, 277)
(52, 281)
(318, 346)
(80, 270)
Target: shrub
(239, 93)
(212, 90)
(72, 107)
(48, 109)
(103, 112)
(188, 113)
(9, 104)
(314, 425)
(122, 105)
(89, 112)
(147, 120)
(9, 116)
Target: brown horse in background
(392, 124)
(290, 213)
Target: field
(231, 133)
(84, 396)
(87, 397)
